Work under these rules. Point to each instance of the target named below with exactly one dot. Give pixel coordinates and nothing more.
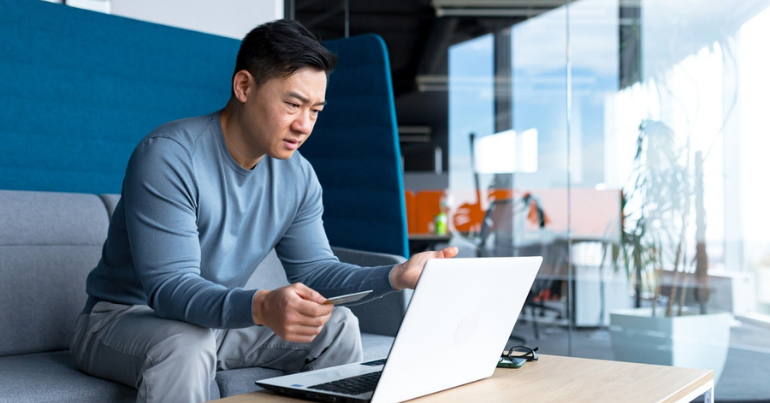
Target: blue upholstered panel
(79, 89)
(355, 152)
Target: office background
(646, 121)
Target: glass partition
(508, 173)
(624, 141)
(471, 110)
(678, 134)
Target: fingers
(308, 293)
(312, 309)
(307, 302)
(448, 252)
(302, 330)
(406, 275)
(293, 312)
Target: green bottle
(440, 221)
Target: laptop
(456, 326)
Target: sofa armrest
(364, 258)
(383, 315)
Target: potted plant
(664, 258)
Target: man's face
(280, 114)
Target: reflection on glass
(471, 105)
(506, 152)
(648, 177)
(752, 163)
(673, 137)
(509, 191)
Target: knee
(345, 319)
(193, 348)
(344, 326)
(339, 342)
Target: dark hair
(279, 48)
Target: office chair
(502, 233)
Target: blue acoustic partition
(355, 151)
(79, 89)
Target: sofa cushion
(237, 381)
(376, 346)
(49, 242)
(49, 377)
(110, 202)
(54, 377)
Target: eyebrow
(305, 99)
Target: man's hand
(405, 275)
(293, 312)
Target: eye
(292, 105)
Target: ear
(242, 84)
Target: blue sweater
(192, 225)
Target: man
(203, 202)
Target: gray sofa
(48, 244)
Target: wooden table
(422, 242)
(564, 379)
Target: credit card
(347, 298)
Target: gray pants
(173, 361)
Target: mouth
(292, 144)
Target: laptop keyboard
(351, 386)
(375, 363)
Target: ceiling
(417, 34)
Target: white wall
(102, 6)
(230, 18)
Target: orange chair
(411, 212)
(427, 205)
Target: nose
(303, 123)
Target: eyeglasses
(517, 356)
(529, 354)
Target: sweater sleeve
(307, 257)
(160, 197)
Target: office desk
(564, 379)
(422, 242)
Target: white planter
(690, 340)
(762, 283)
(592, 308)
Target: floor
(745, 377)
